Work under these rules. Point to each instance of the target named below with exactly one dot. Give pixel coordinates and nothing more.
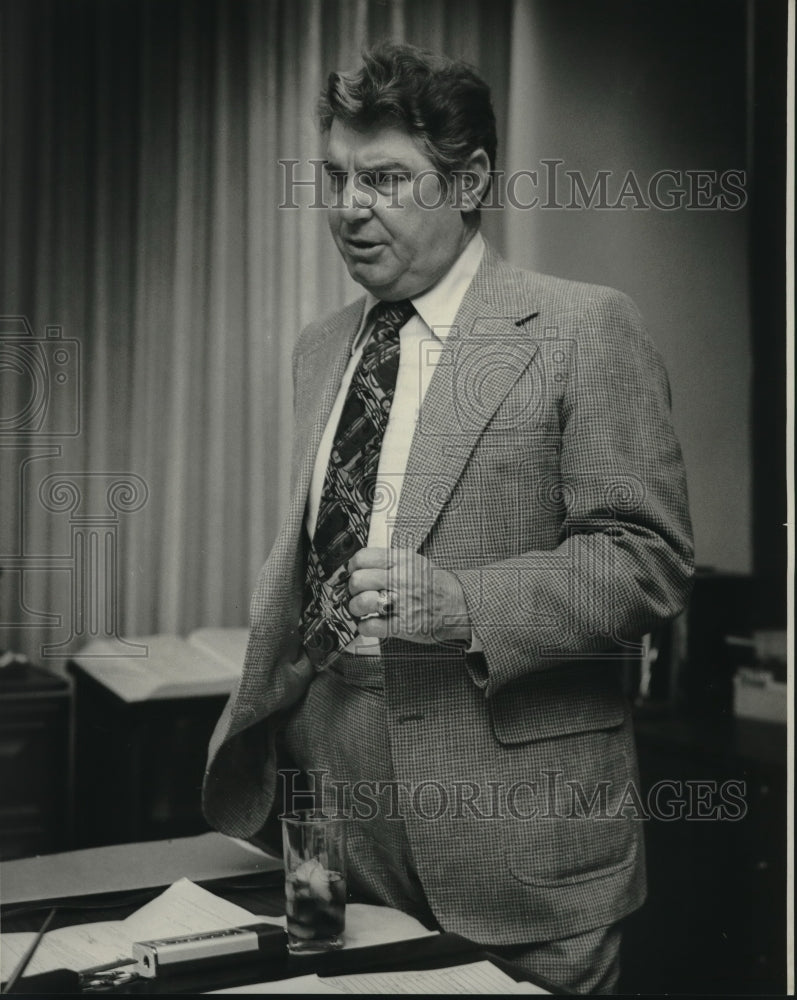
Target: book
(207, 663)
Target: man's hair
(442, 102)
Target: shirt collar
(439, 306)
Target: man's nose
(356, 200)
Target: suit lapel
(484, 355)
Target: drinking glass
(314, 850)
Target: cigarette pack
(193, 952)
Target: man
(488, 510)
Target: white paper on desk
(184, 908)
(76, 948)
(299, 984)
(473, 978)
(368, 925)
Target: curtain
(151, 290)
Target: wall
(625, 86)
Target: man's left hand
(427, 603)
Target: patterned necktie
(344, 514)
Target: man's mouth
(357, 245)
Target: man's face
(390, 216)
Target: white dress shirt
(422, 338)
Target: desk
(262, 895)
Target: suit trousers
(338, 736)
(586, 963)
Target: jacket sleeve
(624, 558)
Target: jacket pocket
(573, 808)
(569, 698)
(522, 873)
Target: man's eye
(388, 179)
(381, 180)
(337, 178)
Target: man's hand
(427, 602)
(297, 677)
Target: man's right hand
(297, 677)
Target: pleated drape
(141, 184)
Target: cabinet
(35, 771)
(715, 919)
(142, 729)
(139, 765)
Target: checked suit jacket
(545, 474)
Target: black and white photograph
(396, 505)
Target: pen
(25, 960)
(104, 981)
(102, 978)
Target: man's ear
(472, 182)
